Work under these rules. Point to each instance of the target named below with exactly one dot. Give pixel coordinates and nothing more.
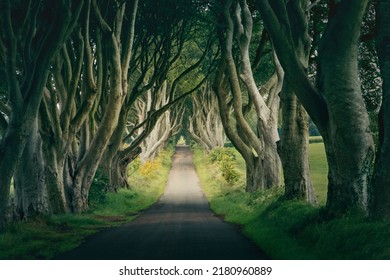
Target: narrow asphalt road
(179, 226)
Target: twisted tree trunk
(205, 126)
(25, 98)
(336, 104)
(294, 148)
(29, 181)
(295, 133)
(259, 148)
(381, 184)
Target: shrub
(149, 167)
(219, 154)
(134, 166)
(98, 191)
(228, 170)
(226, 160)
(181, 141)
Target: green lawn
(318, 171)
(318, 168)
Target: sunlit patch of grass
(319, 171)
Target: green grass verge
(319, 171)
(46, 237)
(293, 229)
(318, 168)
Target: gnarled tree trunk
(295, 133)
(54, 180)
(44, 43)
(336, 106)
(29, 181)
(349, 144)
(258, 148)
(381, 185)
(294, 148)
(205, 126)
(81, 178)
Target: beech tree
(381, 183)
(336, 102)
(120, 24)
(258, 148)
(67, 105)
(204, 122)
(88, 86)
(295, 132)
(94, 84)
(32, 34)
(154, 50)
(166, 126)
(161, 37)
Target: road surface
(179, 226)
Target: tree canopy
(94, 84)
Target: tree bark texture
(336, 103)
(257, 148)
(349, 144)
(43, 42)
(294, 148)
(381, 184)
(295, 135)
(118, 171)
(205, 126)
(164, 127)
(29, 180)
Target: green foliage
(149, 168)
(228, 144)
(181, 141)
(98, 191)
(313, 131)
(141, 174)
(193, 144)
(219, 154)
(228, 171)
(134, 167)
(226, 160)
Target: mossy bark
(381, 185)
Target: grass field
(293, 229)
(47, 236)
(319, 171)
(318, 168)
